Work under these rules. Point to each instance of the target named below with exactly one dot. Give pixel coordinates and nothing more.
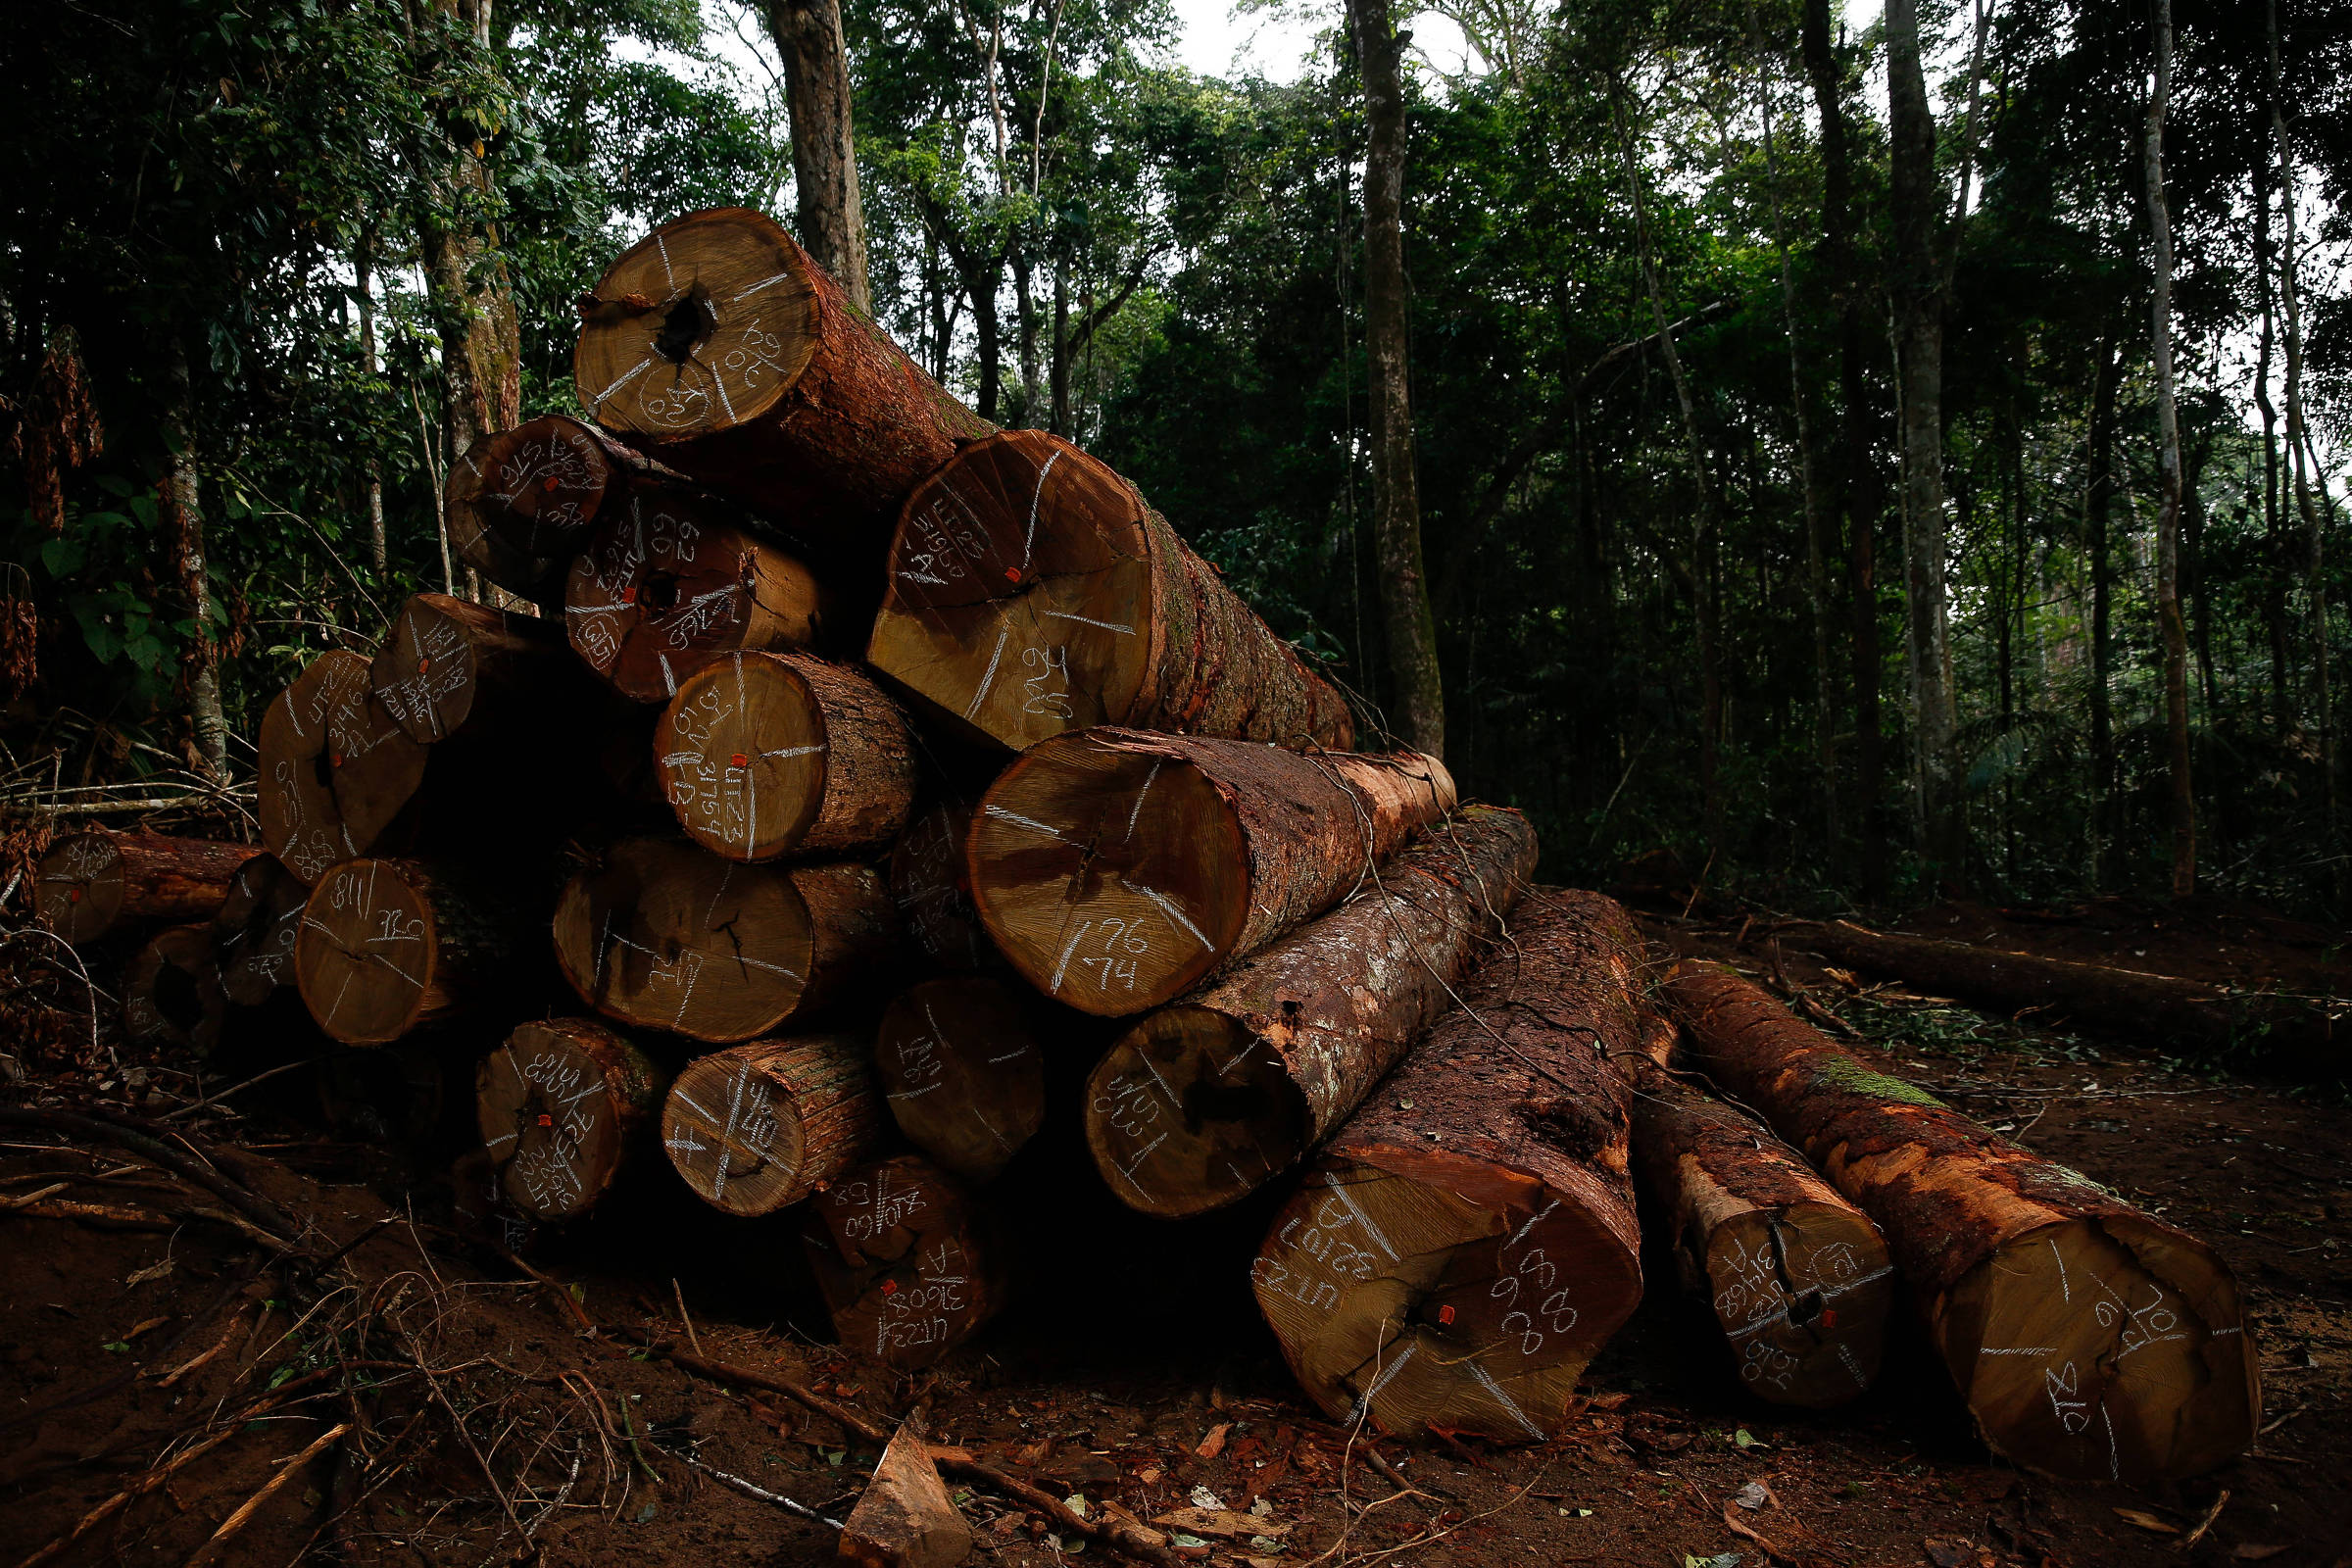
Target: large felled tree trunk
(824, 144)
(1204, 1101)
(256, 926)
(172, 991)
(91, 884)
(1408, 627)
(336, 768)
(961, 1073)
(2182, 800)
(759, 1128)
(2091, 1341)
(1032, 591)
(520, 503)
(1117, 868)
(563, 1106)
(1468, 1240)
(908, 1263)
(450, 667)
(389, 946)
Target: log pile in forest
(886, 822)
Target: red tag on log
(890, 1286)
(739, 760)
(1444, 1314)
(1829, 1317)
(545, 1120)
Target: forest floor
(495, 1417)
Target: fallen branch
(287, 1469)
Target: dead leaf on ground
(2148, 1521)
(1214, 1443)
(1651, 1430)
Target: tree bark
(716, 346)
(909, 1264)
(759, 1128)
(1468, 1240)
(2182, 798)
(2090, 1341)
(1031, 591)
(961, 1073)
(450, 667)
(927, 883)
(1118, 868)
(172, 993)
(256, 928)
(389, 946)
(1409, 629)
(824, 154)
(768, 753)
(91, 884)
(336, 771)
(564, 1106)
(363, 265)
(662, 935)
(1202, 1103)
(184, 512)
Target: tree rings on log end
(257, 925)
(78, 888)
(442, 652)
(1803, 1295)
(335, 768)
(961, 1073)
(521, 502)
(2106, 1349)
(387, 946)
(927, 880)
(558, 1105)
(1394, 1292)
(759, 1127)
(1189, 1111)
(898, 1251)
(172, 991)
(703, 325)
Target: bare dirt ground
(342, 1368)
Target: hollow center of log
(178, 998)
(659, 590)
(685, 328)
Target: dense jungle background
(1850, 584)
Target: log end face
(927, 883)
(78, 888)
(1189, 1111)
(524, 501)
(424, 675)
(906, 1270)
(302, 824)
(549, 1119)
(366, 953)
(743, 757)
(733, 1132)
(172, 993)
(1803, 1293)
(904, 1519)
(961, 1073)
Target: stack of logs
(893, 793)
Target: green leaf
(62, 555)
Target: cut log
(1468, 1240)
(1031, 591)
(1798, 1276)
(451, 666)
(904, 1519)
(906, 1261)
(336, 769)
(2287, 1034)
(172, 991)
(768, 754)
(961, 1071)
(662, 935)
(927, 883)
(256, 929)
(89, 885)
(1204, 1102)
(1117, 868)
(563, 1106)
(522, 503)
(388, 945)
(666, 586)
(761, 1126)
(2091, 1341)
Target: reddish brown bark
(92, 883)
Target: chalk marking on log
(1089, 621)
(1010, 1055)
(626, 376)
(1853, 1367)
(687, 1100)
(769, 282)
(681, 759)
(1029, 540)
(1827, 1293)
(793, 751)
(743, 1076)
(1533, 1220)
(1174, 1104)
(988, 677)
(668, 681)
(686, 997)
(2064, 1294)
(1061, 968)
(915, 1094)
(2016, 1350)
(2115, 1464)
(1361, 1218)
(1486, 1380)
(1033, 822)
(725, 402)
(1139, 800)
(2235, 1328)
(1128, 1170)
(668, 276)
(1381, 1382)
(2145, 1343)
(505, 1139)
(1169, 909)
(992, 1131)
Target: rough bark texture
(172, 991)
(2290, 1034)
(255, 928)
(663, 935)
(184, 513)
(97, 882)
(824, 153)
(451, 666)
(1204, 1101)
(388, 945)
(1116, 868)
(667, 587)
(768, 754)
(927, 884)
(1798, 1276)
(903, 1519)
(563, 1106)
(1031, 591)
(2091, 1341)
(1468, 1240)
(760, 1127)
(908, 1262)
(716, 346)
(961, 1073)
(336, 771)
(520, 503)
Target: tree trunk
(467, 285)
(1796, 1275)
(715, 345)
(91, 884)
(1202, 1103)
(521, 504)
(2182, 799)
(960, 1070)
(662, 935)
(909, 1264)
(768, 753)
(927, 883)
(362, 264)
(1119, 622)
(1118, 868)
(2151, 1377)
(2274, 529)
(824, 153)
(389, 946)
(2284, 1034)
(2098, 503)
(256, 928)
(759, 1128)
(662, 591)
(1406, 625)
(563, 1107)
(336, 771)
(1468, 1240)
(172, 993)
(452, 668)
(183, 512)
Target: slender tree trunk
(2098, 500)
(184, 506)
(1024, 302)
(1412, 631)
(2274, 547)
(2183, 810)
(824, 153)
(1059, 372)
(363, 277)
